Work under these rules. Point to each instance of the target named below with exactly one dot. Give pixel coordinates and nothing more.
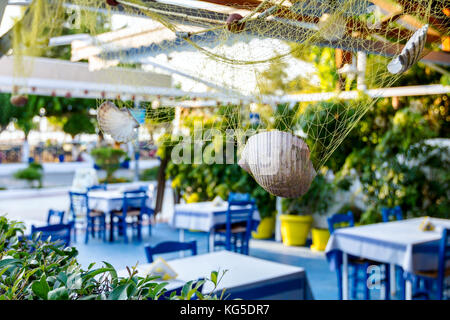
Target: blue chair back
(340, 219)
(97, 187)
(58, 214)
(170, 246)
(240, 209)
(79, 204)
(134, 199)
(444, 256)
(392, 214)
(59, 233)
(235, 197)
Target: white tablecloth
(246, 278)
(401, 243)
(108, 201)
(201, 216)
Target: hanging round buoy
(19, 100)
(233, 23)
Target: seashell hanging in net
(119, 123)
(411, 52)
(279, 162)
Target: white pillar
(25, 151)
(361, 67)
(177, 120)
(277, 221)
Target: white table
(201, 216)
(397, 243)
(246, 278)
(111, 200)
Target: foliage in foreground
(32, 269)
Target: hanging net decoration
(233, 46)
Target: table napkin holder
(218, 201)
(160, 268)
(426, 225)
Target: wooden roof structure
(217, 11)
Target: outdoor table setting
(201, 216)
(403, 243)
(270, 280)
(108, 201)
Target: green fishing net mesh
(240, 43)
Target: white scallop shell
(411, 52)
(279, 162)
(118, 123)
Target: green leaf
(214, 277)
(113, 273)
(96, 272)
(8, 262)
(41, 288)
(59, 294)
(119, 293)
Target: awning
(45, 76)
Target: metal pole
(361, 74)
(136, 152)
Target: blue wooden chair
(395, 214)
(57, 215)
(434, 280)
(170, 246)
(357, 265)
(234, 235)
(134, 207)
(390, 214)
(82, 214)
(148, 212)
(59, 233)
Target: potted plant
(33, 173)
(108, 159)
(297, 219)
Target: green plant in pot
(108, 159)
(296, 220)
(33, 173)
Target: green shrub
(150, 174)
(33, 173)
(316, 200)
(42, 270)
(108, 159)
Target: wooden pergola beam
(432, 34)
(441, 24)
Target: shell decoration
(279, 162)
(119, 123)
(411, 52)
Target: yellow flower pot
(265, 229)
(320, 239)
(295, 229)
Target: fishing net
(336, 51)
